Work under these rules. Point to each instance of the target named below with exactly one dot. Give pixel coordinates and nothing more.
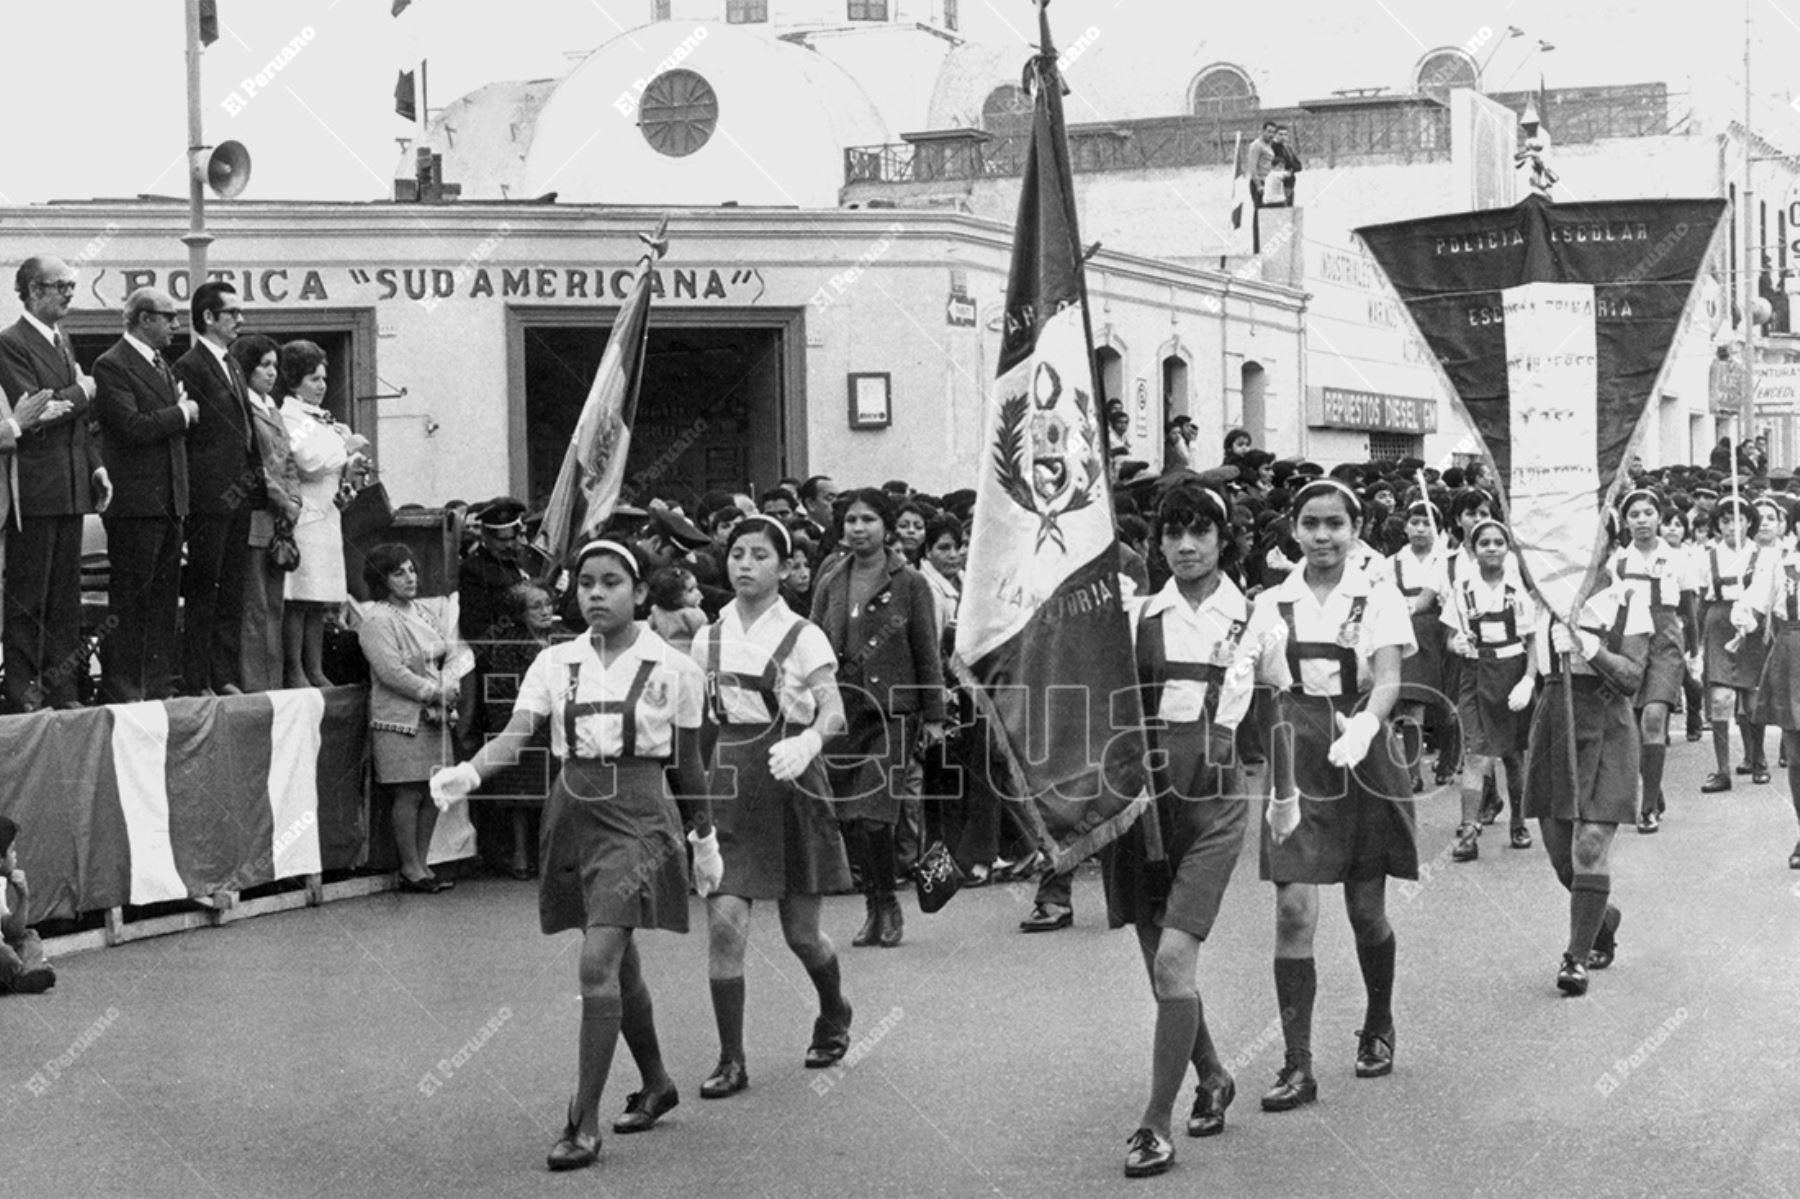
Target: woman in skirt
(1677, 535)
(1418, 571)
(1733, 660)
(773, 681)
(1196, 686)
(1776, 600)
(1470, 507)
(1578, 808)
(622, 705)
(1491, 621)
(1329, 641)
(1648, 566)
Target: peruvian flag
(149, 802)
(1041, 636)
(1552, 325)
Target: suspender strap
(625, 709)
(1155, 669)
(766, 683)
(1344, 655)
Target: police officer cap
(502, 513)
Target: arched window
(1006, 110)
(1254, 383)
(1222, 90)
(1441, 70)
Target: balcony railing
(1408, 130)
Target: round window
(678, 113)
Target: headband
(1326, 483)
(1489, 523)
(616, 549)
(779, 535)
(1421, 508)
(1638, 493)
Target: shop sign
(1342, 408)
(428, 283)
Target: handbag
(367, 515)
(284, 551)
(937, 877)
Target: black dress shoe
(574, 1151)
(1716, 782)
(34, 981)
(1649, 822)
(1694, 734)
(1374, 1053)
(728, 1078)
(643, 1110)
(420, 886)
(1468, 843)
(1208, 1117)
(1743, 768)
(1760, 774)
(1572, 979)
(1294, 1087)
(1150, 1153)
(1606, 941)
(1047, 917)
(1521, 837)
(830, 1041)
(893, 922)
(870, 932)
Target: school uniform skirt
(1724, 668)
(610, 849)
(1777, 698)
(1667, 664)
(1422, 673)
(777, 838)
(1604, 790)
(1355, 824)
(1490, 727)
(1201, 811)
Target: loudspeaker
(434, 535)
(228, 170)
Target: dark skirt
(1667, 664)
(611, 850)
(1490, 727)
(1355, 824)
(777, 839)
(1606, 756)
(1422, 674)
(866, 764)
(1201, 811)
(1741, 670)
(1777, 698)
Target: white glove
(1565, 640)
(709, 866)
(1461, 645)
(788, 759)
(453, 783)
(1354, 738)
(1743, 622)
(1694, 668)
(1283, 815)
(1521, 694)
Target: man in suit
(60, 478)
(224, 483)
(145, 416)
(32, 411)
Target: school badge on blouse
(656, 693)
(1349, 633)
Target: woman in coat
(881, 619)
(261, 660)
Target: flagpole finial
(658, 242)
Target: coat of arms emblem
(1046, 456)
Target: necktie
(243, 398)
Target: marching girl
(1491, 619)
(1469, 507)
(1329, 642)
(1733, 661)
(1650, 568)
(623, 705)
(1418, 571)
(1676, 534)
(1776, 597)
(1605, 656)
(773, 680)
(1196, 688)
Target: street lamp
(1512, 31)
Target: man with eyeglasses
(60, 478)
(225, 482)
(145, 415)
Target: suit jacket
(898, 663)
(144, 435)
(57, 459)
(9, 478)
(224, 469)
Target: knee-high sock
(1377, 963)
(1792, 741)
(1411, 739)
(1296, 982)
(1514, 765)
(828, 983)
(637, 1025)
(1559, 843)
(600, 1019)
(1757, 748)
(1587, 908)
(1205, 1056)
(1177, 1022)
(1721, 731)
(1651, 759)
(728, 1014)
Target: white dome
(783, 118)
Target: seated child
(22, 965)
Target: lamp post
(197, 238)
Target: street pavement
(403, 1045)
